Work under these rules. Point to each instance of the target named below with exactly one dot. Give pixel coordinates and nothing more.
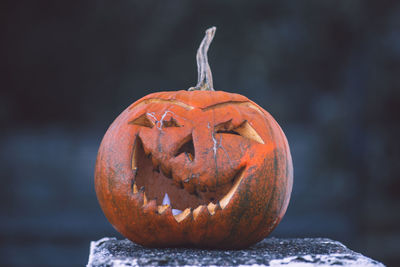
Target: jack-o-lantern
(196, 168)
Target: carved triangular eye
(171, 123)
(143, 120)
(244, 130)
(225, 127)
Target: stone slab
(110, 252)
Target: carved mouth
(156, 183)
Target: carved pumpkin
(199, 168)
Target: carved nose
(187, 148)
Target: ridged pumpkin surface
(223, 161)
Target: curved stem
(205, 81)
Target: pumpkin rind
(255, 208)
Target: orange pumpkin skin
(261, 158)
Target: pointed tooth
(151, 207)
(134, 159)
(144, 199)
(212, 208)
(135, 190)
(166, 200)
(196, 212)
(138, 196)
(176, 211)
(183, 215)
(162, 208)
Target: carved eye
(143, 120)
(244, 129)
(171, 123)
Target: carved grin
(157, 183)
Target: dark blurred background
(328, 71)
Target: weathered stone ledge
(110, 252)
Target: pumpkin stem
(204, 82)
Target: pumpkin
(196, 168)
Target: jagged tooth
(183, 215)
(138, 198)
(197, 211)
(144, 198)
(212, 208)
(225, 200)
(162, 208)
(134, 160)
(135, 190)
(166, 200)
(151, 207)
(176, 211)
